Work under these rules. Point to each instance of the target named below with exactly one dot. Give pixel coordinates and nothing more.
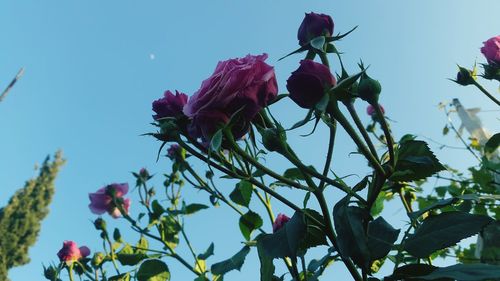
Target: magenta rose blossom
(279, 222)
(491, 49)
(247, 84)
(170, 105)
(307, 84)
(70, 252)
(101, 201)
(370, 110)
(314, 25)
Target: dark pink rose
(170, 105)
(370, 110)
(491, 49)
(70, 252)
(308, 83)
(101, 201)
(279, 222)
(247, 84)
(314, 25)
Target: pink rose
(314, 25)
(247, 84)
(279, 222)
(491, 49)
(102, 202)
(70, 252)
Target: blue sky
(90, 79)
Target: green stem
(387, 133)
(70, 272)
(290, 155)
(329, 154)
(337, 114)
(352, 110)
(482, 89)
(183, 232)
(266, 204)
(112, 252)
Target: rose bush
(352, 231)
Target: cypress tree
(20, 219)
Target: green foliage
(242, 193)
(465, 272)
(153, 270)
(415, 161)
(442, 231)
(21, 218)
(250, 222)
(235, 262)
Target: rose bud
(97, 259)
(241, 85)
(102, 200)
(491, 50)
(307, 84)
(170, 105)
(279, 222)
(274, 139)
(100, 224)
(314, 25)
(370, 110)
(465, 76)
(369, 89)
(70, 252)
(176, 152)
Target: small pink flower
(70, 252)
(173, 150)
(102, 202)
(370, 110)
(491, 49)
(280, 222)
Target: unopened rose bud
(307, 84)
(279, 222)
(274, 139)
(98, 259)
(465, 76)
(369, 89)
(100, 224)
(314, 25)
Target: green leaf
(250, 222)
(169, 231)
(295, 173)
(411, 271)
(235, 262)
(216, 141)
(415, 161)
(378, 206)
(266, 263)
(209, 252)
(242, 193)
(492, 144)
(318, 43)
(437, 205)
(442, 231)
(193, 208)
(352, 241)
(117, 235)
(285, 242)
(465, 272)
(153, 270)
(158, 210)
(381, 238)
(315, 233)
(127, 256)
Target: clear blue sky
(90, 80)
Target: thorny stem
(352, 110)
(387, 133)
